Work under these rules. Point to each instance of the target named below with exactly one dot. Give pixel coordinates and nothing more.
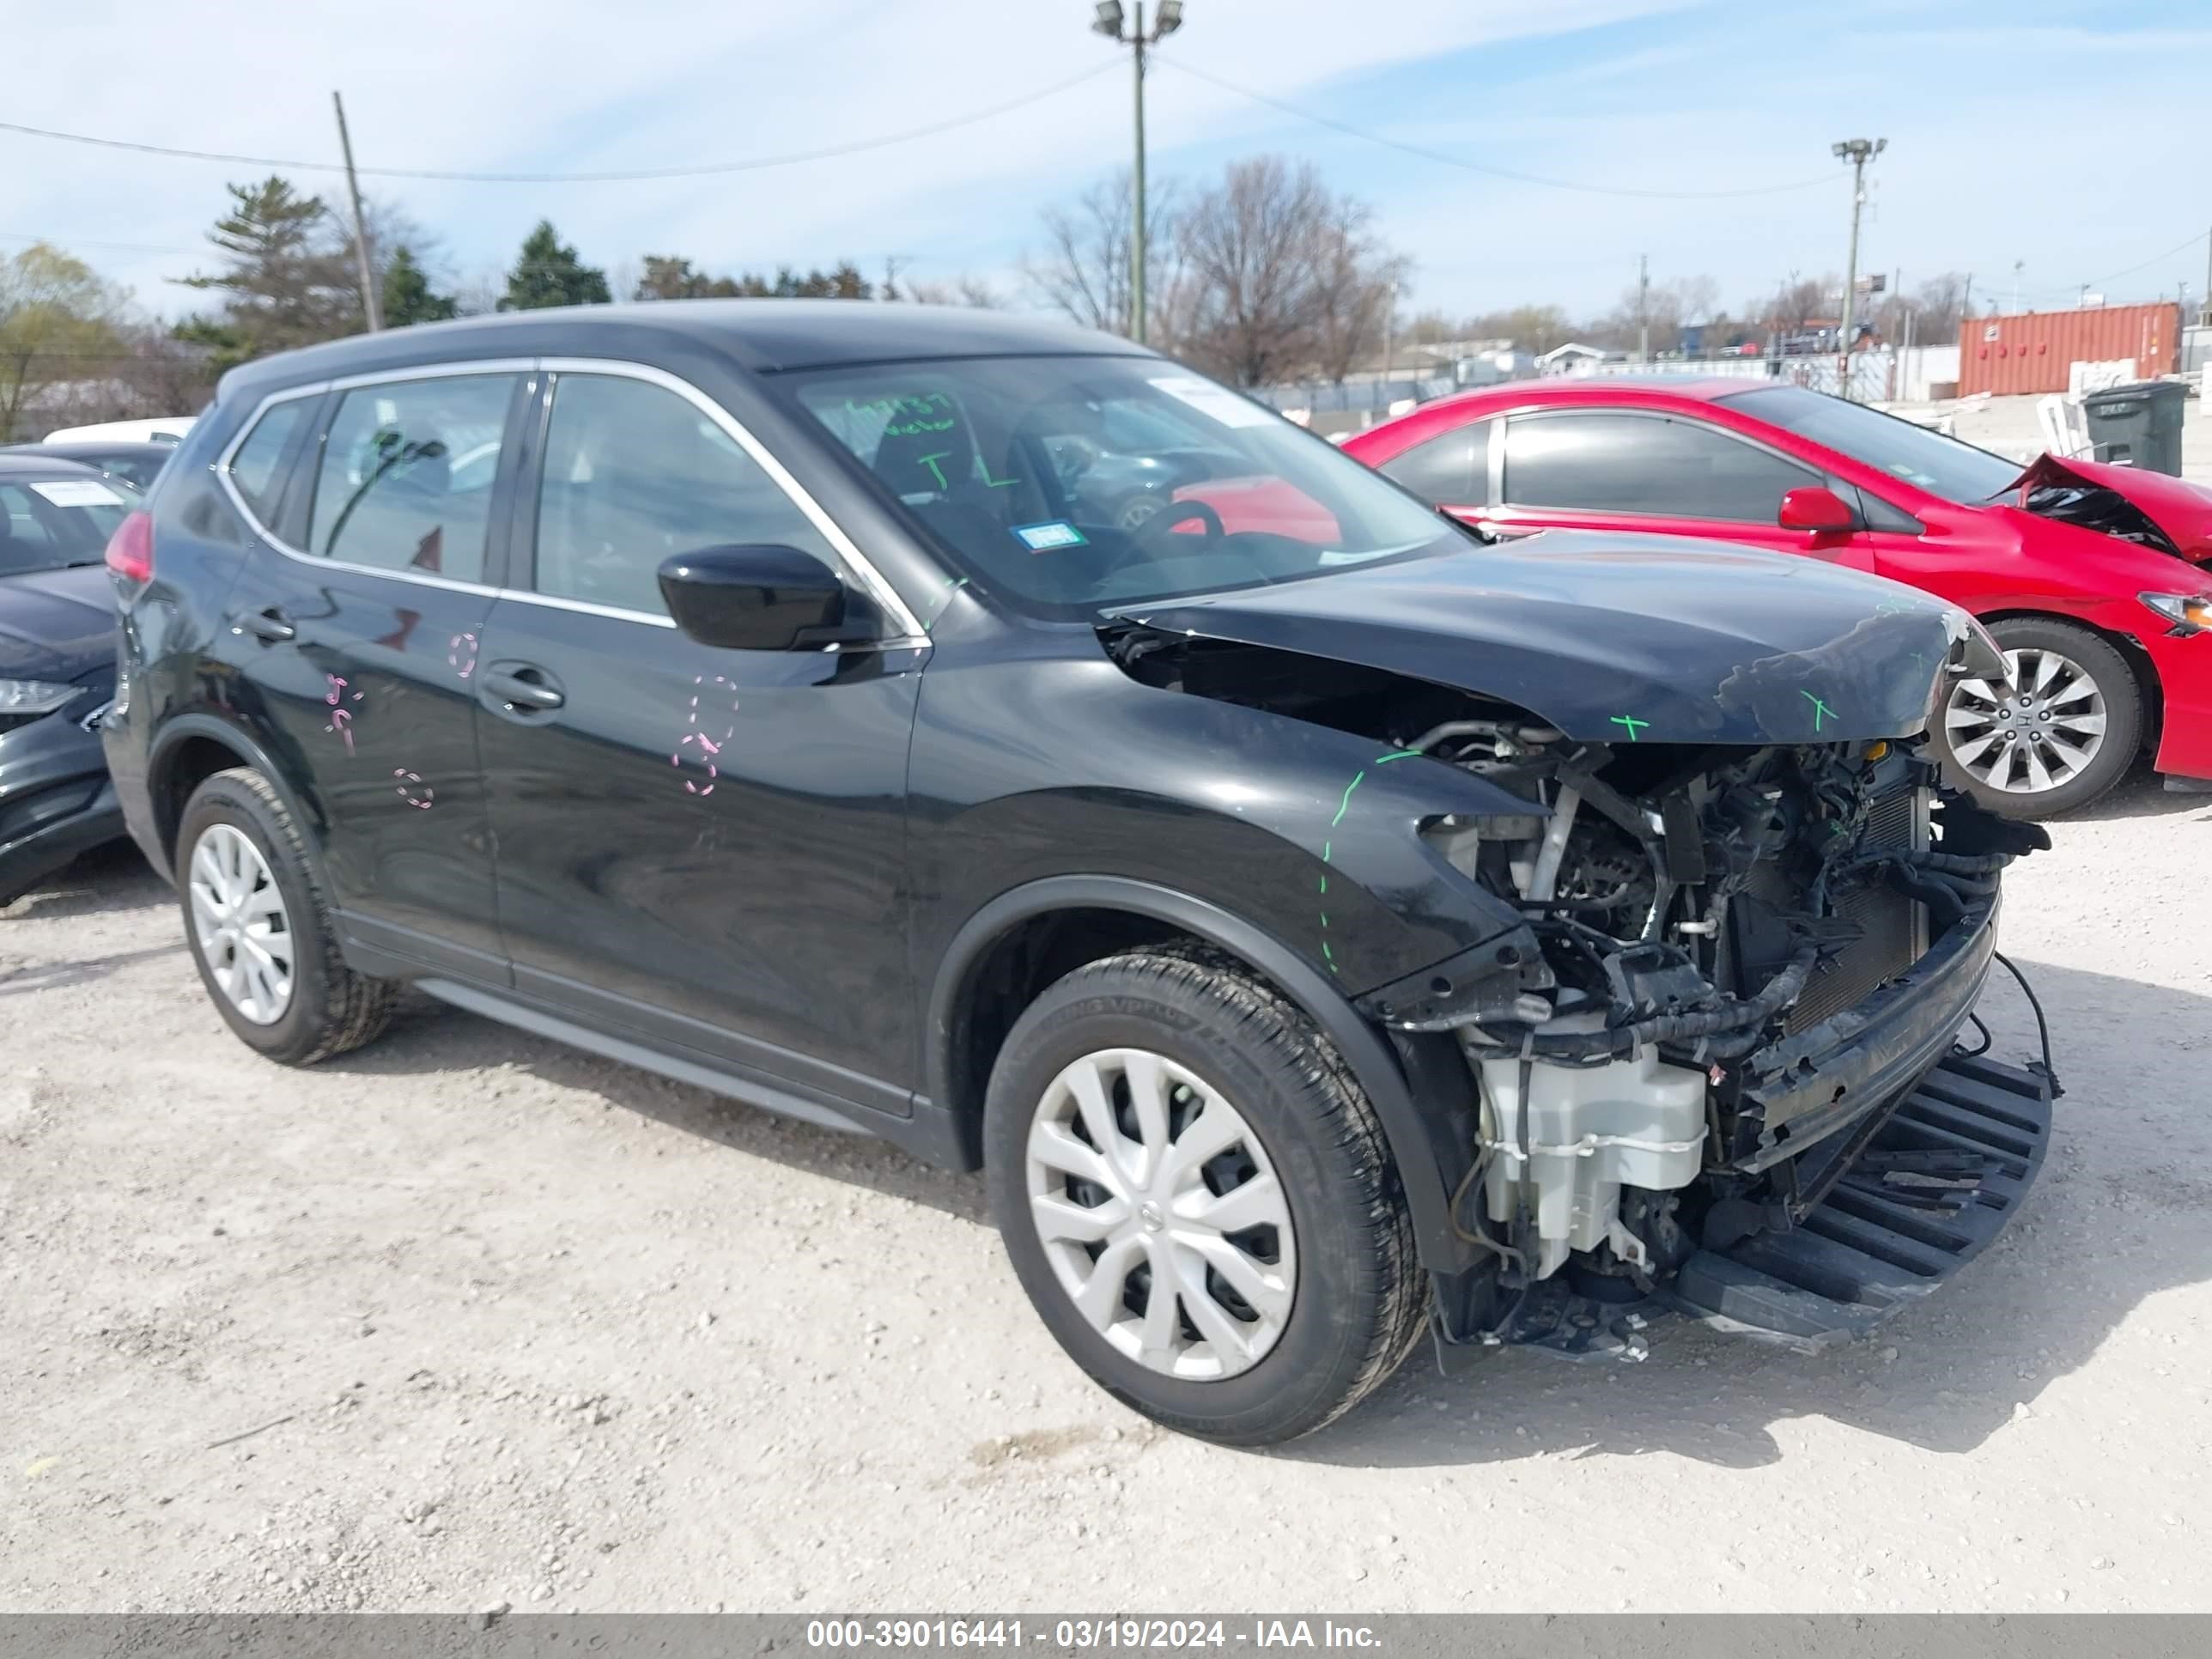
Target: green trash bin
(2138, 424)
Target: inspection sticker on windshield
(1044, 538)
(1208, 398)
(78, 492)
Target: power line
(2099, 281)
(631, 176)
(1478, 167)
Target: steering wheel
(1173, 513)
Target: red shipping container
(2032, 353)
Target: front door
(705, 848)
(1669, 474)
(357, 630)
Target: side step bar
(1931, 1189)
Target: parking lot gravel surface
(467, 1319)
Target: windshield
(1941, 467)
(48, 523)
(1071, 483)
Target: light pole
(1167, 18)
(1858, 152)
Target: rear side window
(406, 475)
(1451, 469)
(254, 468)
(635, 473)
(1618, 462)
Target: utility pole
(1643, 307)
(1167, 19)
(2208, 276)
(371, 302)
(1858, 152)
(2018, 265)
(1389, 327)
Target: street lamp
(1858, 152)
(1166, 19)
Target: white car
(162, 429)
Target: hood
(2169, 514)
(56, 624)
(1644, 638)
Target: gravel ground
(469, 1319)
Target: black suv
(1322, 926)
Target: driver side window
(633, 473)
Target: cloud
(2005, 143)
(584, 86)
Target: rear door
(703, 847)
(356, 628)
(1658, 473)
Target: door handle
(523, 685)
(268, 625)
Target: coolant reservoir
(1588, 1132)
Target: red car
(2096, 580)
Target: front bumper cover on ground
(1938, 1182)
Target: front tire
(1164, 1119)
(2064, 733)
(260, 929)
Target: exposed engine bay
(1712, 922)
(2098, 507)
(1696, 908)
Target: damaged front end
(2168, 516)
(1715, 1067)
(1750, 959)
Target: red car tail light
(131, 549)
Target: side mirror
(1818, 510)
(757, 598)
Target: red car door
(1663, 473)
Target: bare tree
(1939, 306)
(1358, 294)
(390, 228)
(1084, 269)
(964, 289)
(1279, 275)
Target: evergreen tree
(408, 295)
(548, 273)
(283, 285)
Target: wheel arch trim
(178, 731)
(1415, 1146)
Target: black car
(138, 464)
(57, 664)
(1322, 926)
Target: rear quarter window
(1451, 469)
(255, 467)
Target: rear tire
(260, 929)
(1336, 1297)
(2075, 677)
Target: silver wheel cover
(1161, 1215)
(239, 923)
(2037, 734)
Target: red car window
(1612, 461)
(1451, 469)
